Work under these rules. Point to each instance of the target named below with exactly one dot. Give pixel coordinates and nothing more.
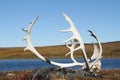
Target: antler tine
(100, 47)
(74, 31)
(92, 34)
(71, 52)
(32, 23)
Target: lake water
(16, 65)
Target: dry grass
(110, 50)
(15, 75)
(24, 75)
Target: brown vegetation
(25, 75)
(110, 50)
(15, 75)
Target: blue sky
(100, 16)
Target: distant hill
(114, 42)
(110, 50)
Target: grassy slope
(110, 50)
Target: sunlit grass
(110, 50)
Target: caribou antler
(97, 55)
(72, 47)
(32, 49)
(75, 39)
(28, 40)
(76, 36)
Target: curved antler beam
(76, 36)
(94, 61)
(97, 55)
(32, 49)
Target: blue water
(9, 65)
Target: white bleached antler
(75, 39)
(76, 36)
(97, 52)
(94, 61)
(72, 47)
(32, 49)
(97, 55)
(28, 40)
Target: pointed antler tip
(62, 30)
(37, 16)
(23, 29)
(24, 39)
(62, 13)
(89, 30)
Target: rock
(10, 74)
(59, 73)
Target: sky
(100, 16)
